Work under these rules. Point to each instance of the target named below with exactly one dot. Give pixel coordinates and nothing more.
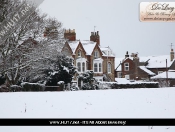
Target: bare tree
(27, 47)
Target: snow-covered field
(124, 103)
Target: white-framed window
(83, 67)
(95, 67)
(95, 54)
(119, 74)
(109, 67)
(100, 67)
(126, 66)
(79, 53)
(127, 77)
(79, 66)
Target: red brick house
(142, 68)
(90, 55)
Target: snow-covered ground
(123, 103)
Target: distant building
(90, 55)
(133, 67)
(165, 78)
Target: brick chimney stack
(70, 34)
(95, 37)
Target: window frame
(79, 53)
(119, 74)
(79, 66)
(126, 68)
(96, 67)
(109, 67)
(83, 66)
(99, 67)
(95, 54)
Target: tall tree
(3, 9)
(26, 49)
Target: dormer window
(95, 54)
(79, 53)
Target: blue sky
(117, 22)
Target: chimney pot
(126, 55)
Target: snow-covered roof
(73, 45)
(107, 51)
(146, 70)
(171, 70)
(157, 61)
(88, 46)
(153, 61)
(163, 75)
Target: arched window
(79, 53)
(100, 67)
(95, 67)
(79, 66)
(109, 67)
(83, 67)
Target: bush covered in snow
(89, 83)
(74, 87)
(88, 86)
(105, 85)
(86, 77)
(32, 86)
(62, 70)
